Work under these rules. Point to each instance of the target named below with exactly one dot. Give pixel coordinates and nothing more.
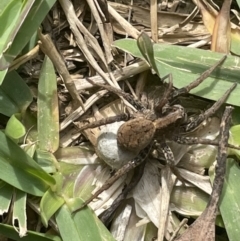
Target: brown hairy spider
(148, 127)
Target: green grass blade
(19, 212)
(82, 226)
(32, 22)
(2, 75)
(10, 232)
(6, 192)
(9, 19)
(15, 129)
(48, 122)
(50, 203)
(15, 95)
(186, 64)
(229, 204)
(20, 170)
(46, 160)
(146, 47)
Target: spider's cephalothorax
(164, 121)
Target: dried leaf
(209, 15)
(221, 37)
(204, 227)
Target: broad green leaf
(83, 183)
(67, 228)
(48, 120)
(77, 169)
(234, 138)
(26, 6)
(2, 75)
(229, 204)
(78, 179)
(186, 64)
(59, 179)
(82, 226)
(20, 170)
(236, 116)
(50, 203)
(32, 22)
(146, 47)
(94, 228)
(235, 41)
(9, 232)
(30, 149)
(189, 201)
(46, 161)
(31, 44)
(238, 2)
(9, 19)
(6, 192)
(19, 212)
(15, 95)
(3, 5)
(15, 129)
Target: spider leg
(137, 104)
(169, 157)
(167, 93)
(101, 122)
(125, 169)
(195, 140)
(204, 226)
(209, 112)
(199, 80)
(220, 169)
(167, 152)
(107, 216)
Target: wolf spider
(149, 127)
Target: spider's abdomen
(136, 134)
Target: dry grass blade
(221, 37)
(75, 25)
(24, 58)
(78, 112)
(203, 229)
(126, 168)
(154, 22)
(183, 23)
(130, 30)
(49, 49)
(168, 180)
(123, 74)
(95, 9)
